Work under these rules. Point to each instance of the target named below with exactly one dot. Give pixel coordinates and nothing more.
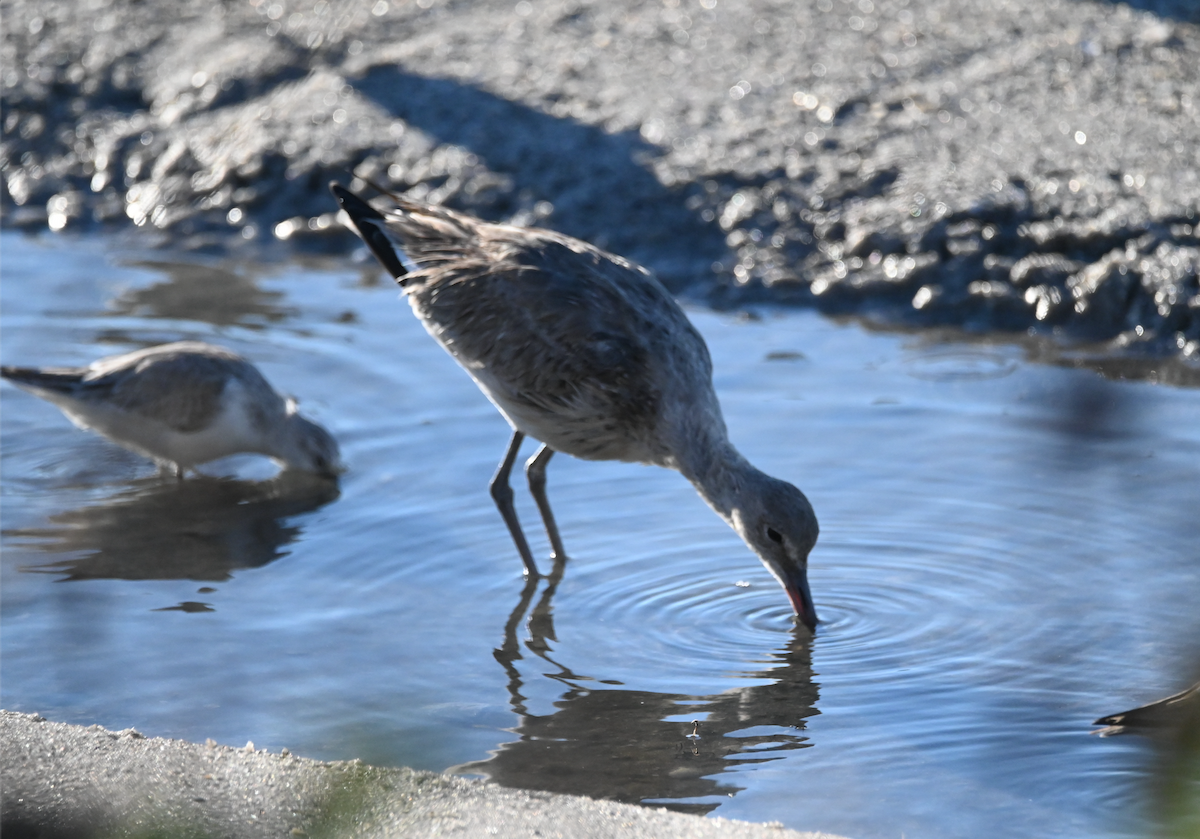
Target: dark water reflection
(640, 746)
(1089, 409)
(203, 528)
(217, 294)
(1185, 10)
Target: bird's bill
(802, 603)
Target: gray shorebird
(588, 354)
(183, 404)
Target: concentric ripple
(920, 599)
(885, 605)
(957, 364)
(700, 609)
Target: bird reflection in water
(218, 294)
(200, 529)
(604, 741)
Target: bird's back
(179, 385)
(152, 398)
(579, 348)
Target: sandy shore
(1024, 165)
(71, 782)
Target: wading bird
(588, 354)
(183, 404)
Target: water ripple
(956, 364)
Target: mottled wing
(565, 329)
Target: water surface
(1008, 551)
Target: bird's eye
(773, 535)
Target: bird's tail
(409, 237)
(51, 380)
(369, 224)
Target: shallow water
(1008, 551)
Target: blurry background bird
(184, 404)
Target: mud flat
(1022, 166)
(73, 781)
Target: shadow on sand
(600, 182)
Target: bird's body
(590, 355)
(183, 404)
(576, 350)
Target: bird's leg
(535, 471)
(502, 494)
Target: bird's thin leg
(535, 471)
(502, 494)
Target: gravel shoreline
(65, 781)
(1023, 166)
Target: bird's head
(779, 525)
(310, 447)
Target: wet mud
(1022, 166)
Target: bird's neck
(719, 473)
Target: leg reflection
(541, 619)
(509, 651)
(607, 740)
(541, 633)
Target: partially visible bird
(588, 354)
(1165, 714)
(183, 404)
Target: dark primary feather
(365, 217)
(1167, 713)
(57, 380)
